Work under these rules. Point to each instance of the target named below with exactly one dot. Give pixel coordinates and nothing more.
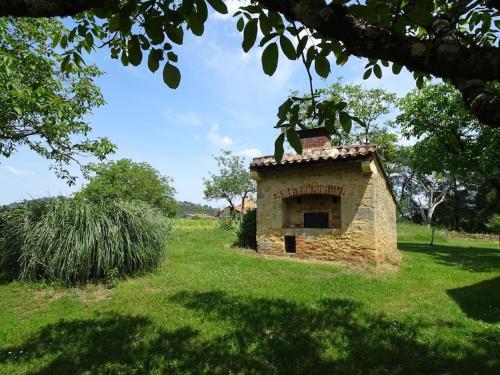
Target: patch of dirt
(49, 295)
(94, 294)
(87, 294)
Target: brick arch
(309, 189)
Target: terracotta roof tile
(315, 154)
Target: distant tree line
(185, 208)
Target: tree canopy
(456, 40)
(449, 138)
(41, 107)
(128, 180)
(232, 181)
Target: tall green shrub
(129, 180)
(76, 241)
(247, 231)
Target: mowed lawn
(215, 309)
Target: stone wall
(364, 219)
(385, 219)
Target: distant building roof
(250, 204)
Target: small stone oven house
(329, 203)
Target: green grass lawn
(214, 309)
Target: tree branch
(445, 59)
(481, 101)
(47, 8)
(441, 55)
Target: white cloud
(189, 118)
(250, 153)
(217, 139)
(17, 171)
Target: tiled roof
(317, 154)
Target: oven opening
(316, 220)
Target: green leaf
(66, 64)
(134, 51)
(284, 108)
(367, 74)
(175, 34)
(124, 24)
(154, 29)
(196, 22)
(330, 124)
(396, 68)
(342, 58)
(187, 6)
(310, 56)
(420, 82)
(171, 75)
(55, 40)
(124, 58)
(265, 25)
(294, 140)
(322, 66)
(240, 24)
(419, 15)
(377, 70)
(218, 5)
(288, 48)
(172, 56)
(64, 42)
(267, 38)
(249, 35)
(341, 106)
(155, 55)
(278, 147)
(276, 20)
(201, 11)
(345, 121)
(270, 59)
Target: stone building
(329, 203)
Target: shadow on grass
(475, 259)
(480, 301)
(264, 336)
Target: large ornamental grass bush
(75, 241)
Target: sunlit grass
(214, 309)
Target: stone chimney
(314, 138)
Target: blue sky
(224, 101)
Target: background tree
(231, 183)
(449, 39)
(449, 140)
(369, 109)
(128, 180)
(185, 208)
(430, 191)
(493, 225)
(41, 107)
(448, 137)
